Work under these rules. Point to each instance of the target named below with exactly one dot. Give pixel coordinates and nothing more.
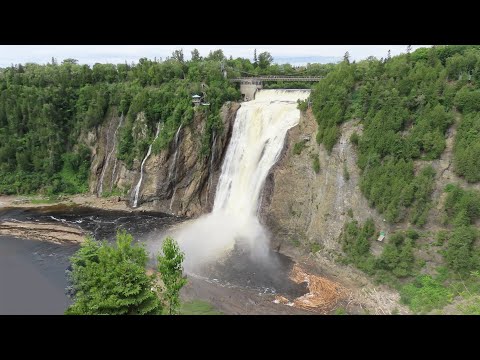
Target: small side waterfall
(139, 184)
(173, 168)
(116, 160)
(109, 155)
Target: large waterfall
(256, 143)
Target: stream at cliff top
(32, 272)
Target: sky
(91, 54)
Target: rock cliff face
(302, 207)
(306, 212)
(106, 171)
(178, 180)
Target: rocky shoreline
(57, 234)
(104, 203)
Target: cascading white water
(173, 169)
(139, 184)
(109, 155)
(112, 182)
(256, 143)
(212, 160)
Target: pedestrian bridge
(276, 78)
(250, 85)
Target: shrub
(298, 147)
(346, 174)
(354, 138)
(425, 294)
(316, 163)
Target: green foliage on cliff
(467, 148)
(111, 279)
(396, 260)
(298, 147)
(462, 208)
(331, 98)
(396, 265)
(425, 293)
(356, 245)
(406, 105)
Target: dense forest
(406, 105)
(45, 108)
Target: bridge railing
(277, 78)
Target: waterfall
(116, 160)
(109, 155)
(257, 140)
(139, 184)
(173, 169)
(212, 159)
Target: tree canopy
(406, 104)
(111, 279)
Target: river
(33, 278)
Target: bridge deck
(277, 78)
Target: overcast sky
(91, 54)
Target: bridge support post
(248, 88)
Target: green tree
(171, 273)
(265, 59)
(178, 55)
(111, 279)
(196, 55)
(216, 55)
(459, 253)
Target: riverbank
(57, 234)
(88, 200)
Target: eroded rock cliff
(306, 212)
(177, 180)
(302, 207)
